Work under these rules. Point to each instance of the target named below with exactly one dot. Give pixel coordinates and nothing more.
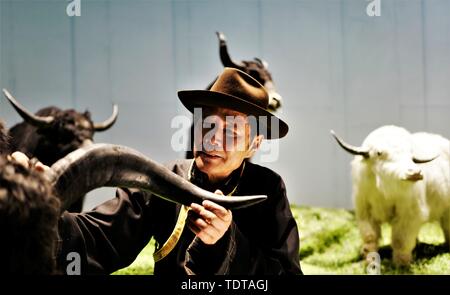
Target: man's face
(222, 142)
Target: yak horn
(105, 125)
(423, 160)
(107, 165)
(224, 55)
(29, 117)
(350, 148)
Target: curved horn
(101, 165)
(224, 55)
(350, 148)
(105, 125)
(423, 160)
(29, 117)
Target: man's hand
(23, 160)
(210, 221)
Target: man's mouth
(209, 155)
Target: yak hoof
(368, 248)
(402, 259)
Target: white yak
(403, 179)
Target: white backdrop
(335, 66)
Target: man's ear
(254, 146)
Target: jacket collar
(228, 187)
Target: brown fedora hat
(237, 91)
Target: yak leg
(404, 235)
(370, 232)
(445, 224)
(369, 228)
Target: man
(205, 238)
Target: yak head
(388, 154)
(29, 214)
(4, 139)
(256, 68)
(60, 131)
(67, 131)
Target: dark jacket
(262, 239)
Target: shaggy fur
(66, 134)
(383, 193)
(50, 144)
(29, 215)
(4, 140)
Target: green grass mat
(330, 244)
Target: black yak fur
(29, 215)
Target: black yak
(4, 140)
(257, 68)
(52, 133)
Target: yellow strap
(174, 237)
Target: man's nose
(217, 139)
(213, 141)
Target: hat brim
(207, 98)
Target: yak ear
(262, 62)
(87, 114)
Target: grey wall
(335, 66)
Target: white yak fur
(382, 194)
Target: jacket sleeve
(274, 249)
(107, 238)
